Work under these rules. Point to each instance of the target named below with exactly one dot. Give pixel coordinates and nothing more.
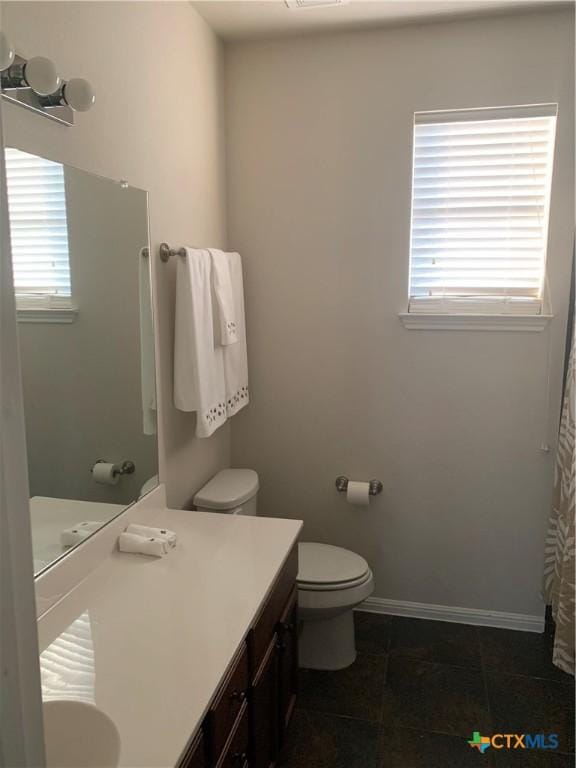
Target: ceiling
(241, 19)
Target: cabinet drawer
(227, 705)
(265, 625)
(237, 749)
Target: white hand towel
(71, 536)
(226, 323)
(140, 545)
(198, 363)
(157, 533)
(235, 355)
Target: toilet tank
(233, 491)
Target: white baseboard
(482, 618)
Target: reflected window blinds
(38, 230)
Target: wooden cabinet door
(266, 623)
(236, 753)
(288, 661)
(196, 756)
(264, 710)
(226, 706)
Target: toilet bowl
(331, 580)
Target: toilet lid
(324, 564)
(228, 489)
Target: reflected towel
(225, 324)
(141, 545)
(147, 368)
(157, 533)
(235, 356)
(198, 363)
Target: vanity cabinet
(247, 718)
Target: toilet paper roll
(358, 493)
(105, 473)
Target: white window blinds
(38, 229)
(480, 200)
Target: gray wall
(82, 388)
(157, 122)
(319, 170)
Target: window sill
(419, 321)
(45, 315)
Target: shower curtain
(559, 563)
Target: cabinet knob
(286, 626)
(238, 696)
(280, 646)
(239, 757)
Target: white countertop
(149, 640)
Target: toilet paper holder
(376, 486)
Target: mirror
(82, 284)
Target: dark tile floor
(419, 689)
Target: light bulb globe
(40, 74)
(78, 94)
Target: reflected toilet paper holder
(376, 486)
(126, 468)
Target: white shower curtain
(559, 565)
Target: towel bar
(166, 252)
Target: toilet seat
(324, 568)
(308, 586)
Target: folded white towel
(235, 356)
(225, 323)
(141, 545)
(198, 363)
(157, 533)
(71, 536)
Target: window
(480, 204)
(39, 233)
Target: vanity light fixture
(36, 85)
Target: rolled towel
(90, 525)
(157, 533)
(71, 536)
(141, 545)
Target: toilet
(331, 580)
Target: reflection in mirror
(82, 283)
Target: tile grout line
(342, 717)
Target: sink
(79, 735)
